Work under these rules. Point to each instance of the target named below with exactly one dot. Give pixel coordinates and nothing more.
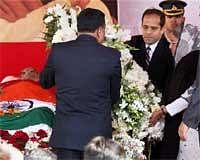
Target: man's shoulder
(97, 48)
(163, 45)
(110, 51)
(60, 44)
(187, 60)
(164, 40)
(137, 38)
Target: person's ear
(99, 33)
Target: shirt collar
(152, 46)
(86, 37)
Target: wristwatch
(45, 1)
(163, 109)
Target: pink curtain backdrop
(130, 12)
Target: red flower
(34, 139)
(41, 134)
(19, 140)
(5, 135)
(43, 145)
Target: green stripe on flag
(24, 119)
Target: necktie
(148, 50)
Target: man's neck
(88, 33)
(170, 36)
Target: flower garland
(25, 141)
(137, 95)
(61, 24)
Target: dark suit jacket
(162, 62)
(183, 76)
(87, 77)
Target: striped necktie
(148, 50)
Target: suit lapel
(156, 55)
(143, 58)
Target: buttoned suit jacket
(87, 78)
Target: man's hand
(182, 131)
(156, 116)
(12, 10)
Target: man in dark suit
(87, 77)
(157, 61)
(154, 55)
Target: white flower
(124, 35)
(66, 21)
(121, 90)
(111, 32)
(151, 87)
(156, 99)
(139, 105)
(137, 77)
(123, 104)
(58, 10)
(48, 19)
(133, 146)
(126, 57)
(58, 37)
(50, 11)
(30, 145)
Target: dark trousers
(168, 148)
(67, 154)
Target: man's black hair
(90, 19)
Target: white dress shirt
(153, 47)
(181, 103)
